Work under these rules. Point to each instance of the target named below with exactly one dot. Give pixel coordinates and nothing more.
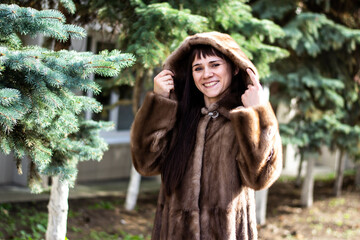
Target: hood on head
(221, 41)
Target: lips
(210, 84)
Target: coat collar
(228, 102)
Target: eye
(215, 65)
(197, 69)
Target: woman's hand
(164, 83)
(254, 95)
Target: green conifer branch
(41, 117)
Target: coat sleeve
(260, 153)
(148, 136)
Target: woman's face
(212, 76)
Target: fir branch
(8, 96)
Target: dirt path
(329, 218)
(105, 218)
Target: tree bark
(58, 210)
(357, 176)
(298, 177)
(137, 91)
(339, 174)
(308, 185)
(133, 190)
(135, 178)
(261, 196)
(261, 203)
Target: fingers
(166, 72)
(253, 78)
(254, 95)
(163, 76)
(164, 83)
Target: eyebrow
(197, 64)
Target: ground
(105, 218)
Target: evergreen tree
(40, 112)
(319, 75)
(41, 116)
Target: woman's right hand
(164, 83)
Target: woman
(208, 131)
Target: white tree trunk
(133, 189)
(261, 196)
(308, 184)
(261, 202)
(58, 210)
(357, 176)
(339, 174)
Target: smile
(210, 84)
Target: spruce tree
(41, 116)
(41, 112)
(319, 75)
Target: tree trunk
(135, 178)
(261, 196)
(308, 184)
(137, 91)
(133, 190)
(357, 176)
(58, 203)
(298, 177)
(261, 202)
(339, 174)
(58, 210)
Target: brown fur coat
(236, 153)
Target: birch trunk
(261, 202)
(58, 210)
(133, 190)
(261, 196)
(135, 178)
(307, 190)
(339, 174)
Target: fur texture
(236, 153)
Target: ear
(236, 70)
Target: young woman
(207, 129)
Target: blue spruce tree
(41, 116)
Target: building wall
(115, 164)
(8, 171)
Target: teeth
(210, 84)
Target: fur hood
(221, 41)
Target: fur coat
(238, 150)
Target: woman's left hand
(254, 95)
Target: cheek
(227, 79)
(196, 79)
(228, 83)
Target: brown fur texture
(236, 153)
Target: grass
(24, 224)
(103, 205)
(101, 235)
(321, 177)
(29, 223)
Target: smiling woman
(208, 131)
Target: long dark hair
(190, 102)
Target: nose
(207, 72)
